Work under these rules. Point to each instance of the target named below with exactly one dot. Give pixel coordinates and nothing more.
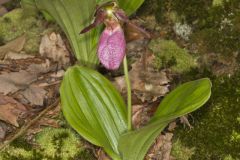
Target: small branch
(25, 128)
(129, 93)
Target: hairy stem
(129, 93)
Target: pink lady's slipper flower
(112, 44)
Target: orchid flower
(112, 43)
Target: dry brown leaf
(140, 115)
(52, 46)
(59, 74)
(3, 10)
(39, 68)
(34, 94)
(184, 121)
(3, 130)
(49, 119)
(4, 1)
(101, 155)
(10, 110)
(15, 45)
(161, 149)
(13, 55)
(14, 81)
(147, 83)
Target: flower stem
(129, 93)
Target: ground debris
(16, 56)
(161, 149)
(34, 94)
(3, 130)
(15, 81)
(140, 115)
(147, 83)
(52, 46)
(15, 45)
(10, 110)
(101, 155)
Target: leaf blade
(94, 108)
(130, 6)
(135, 144)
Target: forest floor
(34, 55)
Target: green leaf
(130, 6)
(183, 100)
(73, 16)
(94, 108)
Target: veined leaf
(183, 100)
(94, 108)
(130, 6)
(73, 16)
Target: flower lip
(111, 47)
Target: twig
(24, 129)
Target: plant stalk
(129, 94)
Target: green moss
(51, 144)
(229, 157)
(170, 55)
(215, 23)
(216, 127)
(181, 152)
(14, 24)
(64, 144)
(218, 3)
(225, 42)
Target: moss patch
(51, 144)
(15, 24)
(181, 152)
(170, 55)
(215, 23)
(216, 125)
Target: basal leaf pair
(95, 109)
(90, 103)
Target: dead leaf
(172, 126)
(10, 110)
(147, 83)
(13, 55)
(184, 121)
(34, 94)
(52, 46)
(3, 130)
(15, 45)
(4, 1)
(14, 81)
(59, 74)
(161, 149)
(49, 119)
(101, 155)
(140, 115)
(40, 68)
(3, 10)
